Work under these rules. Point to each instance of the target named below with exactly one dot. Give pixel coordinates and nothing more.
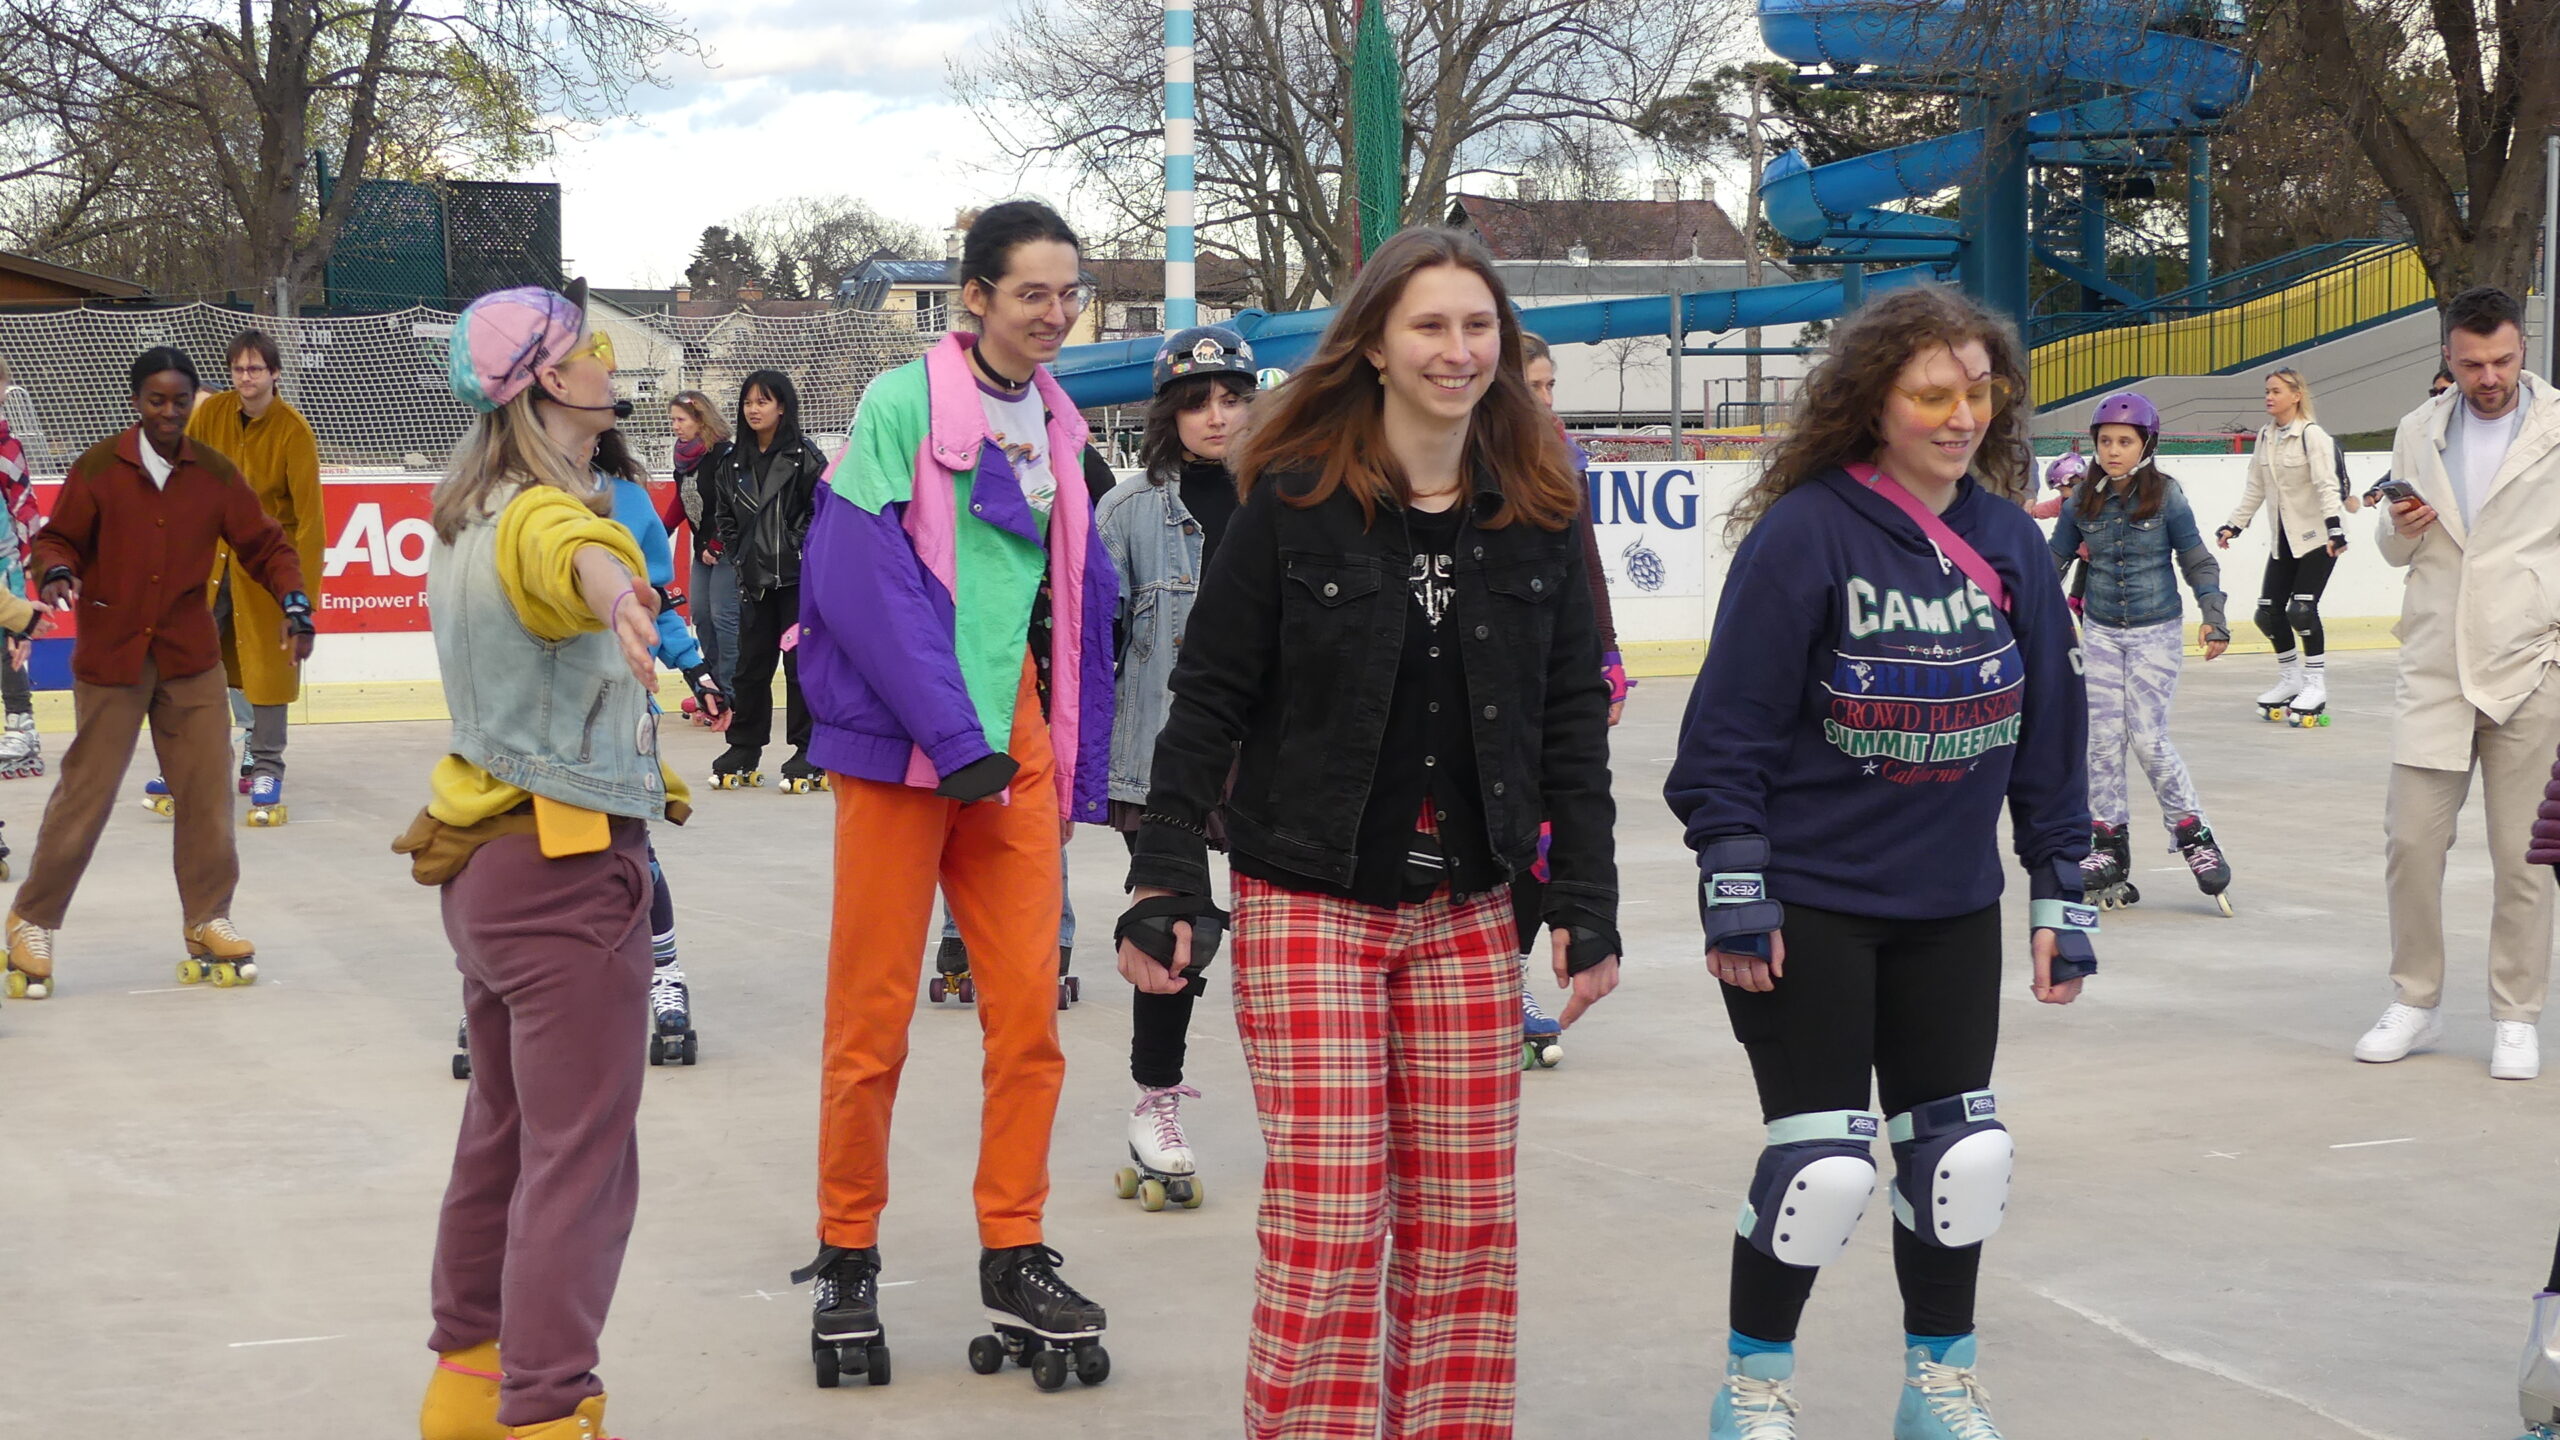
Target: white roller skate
(2310, 708)
(1164, 1169)
(2272, 704)
(21, 753)
(2538, 1380)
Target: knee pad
(2303, 614)
(1812, 1186)
(1952, 1159)
(2270, 620)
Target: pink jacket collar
(960, 422)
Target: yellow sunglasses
(598, 344)
(1935, 405)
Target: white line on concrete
(894, 1284)
(2214, 1368)
(294, 1340)
(2367, 1144)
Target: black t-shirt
(1209, 493)
(1428, 757)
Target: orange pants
(997, 867)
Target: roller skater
(1850, 890)
(2132, 530)
(758, 496)
(21, 751)
(1040, 1322)
(2204, 860)
(2293, 471)
(266, 801)
(1161, 1170)
(845, 1335)
(1376, 981)
(736, 767)
(799, 777)
(136, 531)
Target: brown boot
(462, 1396)
(218, 953)
(30, 961)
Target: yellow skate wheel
(18, 991)
(163, 806)
(191, 971)
(266, 817)
(1151, 1194)
(4, 868)
(245, 973)
(1199, 1195)
(1123, 1184)
(2223, 902)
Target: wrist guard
(297, 614)
(1614, 666)
(1149, 926)
(2057, 906)
(1733, 900)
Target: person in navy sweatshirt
(1892, 661)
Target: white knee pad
(1812, 1186)
(1952, 1161)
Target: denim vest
(2133, 564)
(561, 719)
(1156, 544)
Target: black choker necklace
(978, 354)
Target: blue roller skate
(157, 799)
(1756, 1401)
(1940, 1398)
(266, 801)
(1540, 1045)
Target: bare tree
(246, 100)
(1487, 83)
(823, 240)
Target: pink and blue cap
(503, 338)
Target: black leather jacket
(1292, 654)
(761, 525)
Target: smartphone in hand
(2394, 491)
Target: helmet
(2128, 407)
(1203, 350)
(2066, 470)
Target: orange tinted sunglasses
(1937, 404)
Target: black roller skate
(2204, 857)
(2106, 873)
(1070, 989)
(736, 768)
(1039, 1319)
(951, 978)
(671, 1037)
(845, 1337)
(462, 1051)
(799, 777)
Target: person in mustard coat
(262, 434)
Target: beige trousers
(2514, 761)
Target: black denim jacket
(1290, 667)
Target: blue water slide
(2172, 83)
(1121, 372)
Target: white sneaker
(2517, 1055)
(2401, 1029)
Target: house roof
(46, 272)
(1221, 280)
(1610, 229)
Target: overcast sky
(801, 97)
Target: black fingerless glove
(979, 778)
(1149, 926)
(297, 614)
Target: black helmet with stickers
(1203, 350)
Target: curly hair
(1841, 401)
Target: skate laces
(1762, 1409)
(1038, 1269)
(1529, 1007)
(1957, 1399)
(838, 1272)
(1162, 1108)
(666, 986)
(219, 928)
(37, 939)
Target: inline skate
(21, 753)
(2106, 873)
(2205, 860)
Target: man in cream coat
(2479, 638)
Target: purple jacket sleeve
(891, 620)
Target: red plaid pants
(1385, 1052)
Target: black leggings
(761, 621)
(1160, 1025)
(1918, 1003)
(2289, 597)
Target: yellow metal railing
(2377, 285)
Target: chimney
(1707, 192)
(1666, 192)
(683, 293)
(1528, 190)
(750, 292)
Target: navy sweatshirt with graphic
(1867, 708)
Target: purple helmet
(2127, 407)
(2066, 470)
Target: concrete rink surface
(221, 1203)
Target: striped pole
(1181, 303)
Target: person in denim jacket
(1160, 529)
(2133, 524)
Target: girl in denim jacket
(2134, 527)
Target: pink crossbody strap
(1950, 544)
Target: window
(1142, 320)
(933, 311)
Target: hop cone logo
(1644, 567)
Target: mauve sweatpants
(555, 965)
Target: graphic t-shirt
(1019, 426)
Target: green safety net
(1377, 128)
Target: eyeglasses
(1039, 298)
(598, 345)
(1937, 404)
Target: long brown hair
(1329, 417)
(2144, 482)
(708, 426)
(1839, 404)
